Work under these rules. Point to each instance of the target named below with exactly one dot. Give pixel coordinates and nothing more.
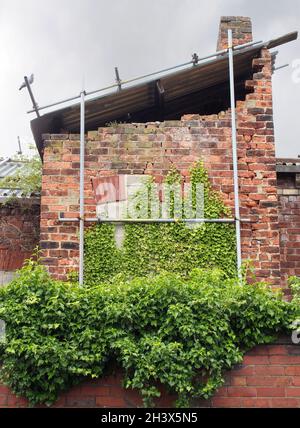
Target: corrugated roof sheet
(288, 165)
(7, 168)
(187, 91)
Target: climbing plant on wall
(152, 248)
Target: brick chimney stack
(241, 31)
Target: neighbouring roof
(288, 165)
(9, 167)
(193, 89)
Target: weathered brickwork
(153, 148)
(241, 31)
(289, 223)
(268, 377)
(19, 232)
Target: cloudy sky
(62, 40)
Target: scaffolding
(225, 53)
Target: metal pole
(20, 148)
(118, 80)
(124, 82)
(35, 106)
(234, 156)
(81, 190)
(159, 220)
(170, 220)
(280, 67)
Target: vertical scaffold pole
(81, 188)
(234, 156)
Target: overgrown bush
(181, 332)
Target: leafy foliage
(181, 332)
(181, 329)
(153, 248)
(294, 284)
(27, 179)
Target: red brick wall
(241, 27)
(153, 148)
(19, 232)
(268, 377)
(289, 223)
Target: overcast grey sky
(60, 40)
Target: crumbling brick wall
(19, 233)
(153, 148)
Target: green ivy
(152, 248)
(294, 285)
(182, 329)
(180, 332)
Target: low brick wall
(288, 188)
(268, 377)
(19, 234)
